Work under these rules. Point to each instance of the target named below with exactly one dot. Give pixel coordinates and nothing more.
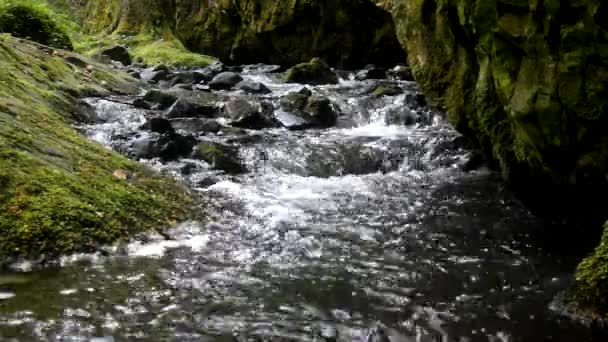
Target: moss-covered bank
(59, 192)
(35, 20)
(346, 33)
(528, 80)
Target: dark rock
(234, 68)
(188, 78)
(315, 72)
(151, 75)
(225, 80)
(381, 90)
(182, 86)
(134, 74)
(244, 114)
(475, 162)
(253, 87)
(160, 67)
(301, 110)
(143, 104)
(160, 99)
(159, 125)
(401, 116)
(166, 146)
(416, 100)
(117, 53)
(188, 169)
(220, 156)
(193, 104)
(371, 72)
(401, 73)
(77, 61)
(196, 125)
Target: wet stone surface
(370, 230)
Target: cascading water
(364, 232)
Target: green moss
(592, 278)
(36, 21)
(169, 52)
(57, 189)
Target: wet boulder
(225, 80)
(401, 73)
(315, 72)
(415, 100)
(156, 74)
(158, 125)
(118, 53)
(188, 77)
(220, 156)
(301, 110)
(196, 125)
(167, 147)
(191, 104)
(156, 99)
(253, 87)
(246, 114)
(370, 72)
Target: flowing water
(364, 232)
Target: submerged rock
(315, 72)
(225, 80)
(220, 156)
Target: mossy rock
(220, 156)
(29, 22)
(592, 278)
(59, 192)
(315, 72)
(348, 33)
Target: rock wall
(528, 81)
(345, 33)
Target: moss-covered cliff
(60, 192)
(528, 80)
(346, 33)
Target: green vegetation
(144, 26)
(37, 21)
(58, 191)
(592, 278)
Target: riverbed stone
(250, 87)
(302, 109)
(196, 125)
(247, 114)
(118, 53)
(167, 147)
(315, 72)
(220, 156)
(225, 80)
